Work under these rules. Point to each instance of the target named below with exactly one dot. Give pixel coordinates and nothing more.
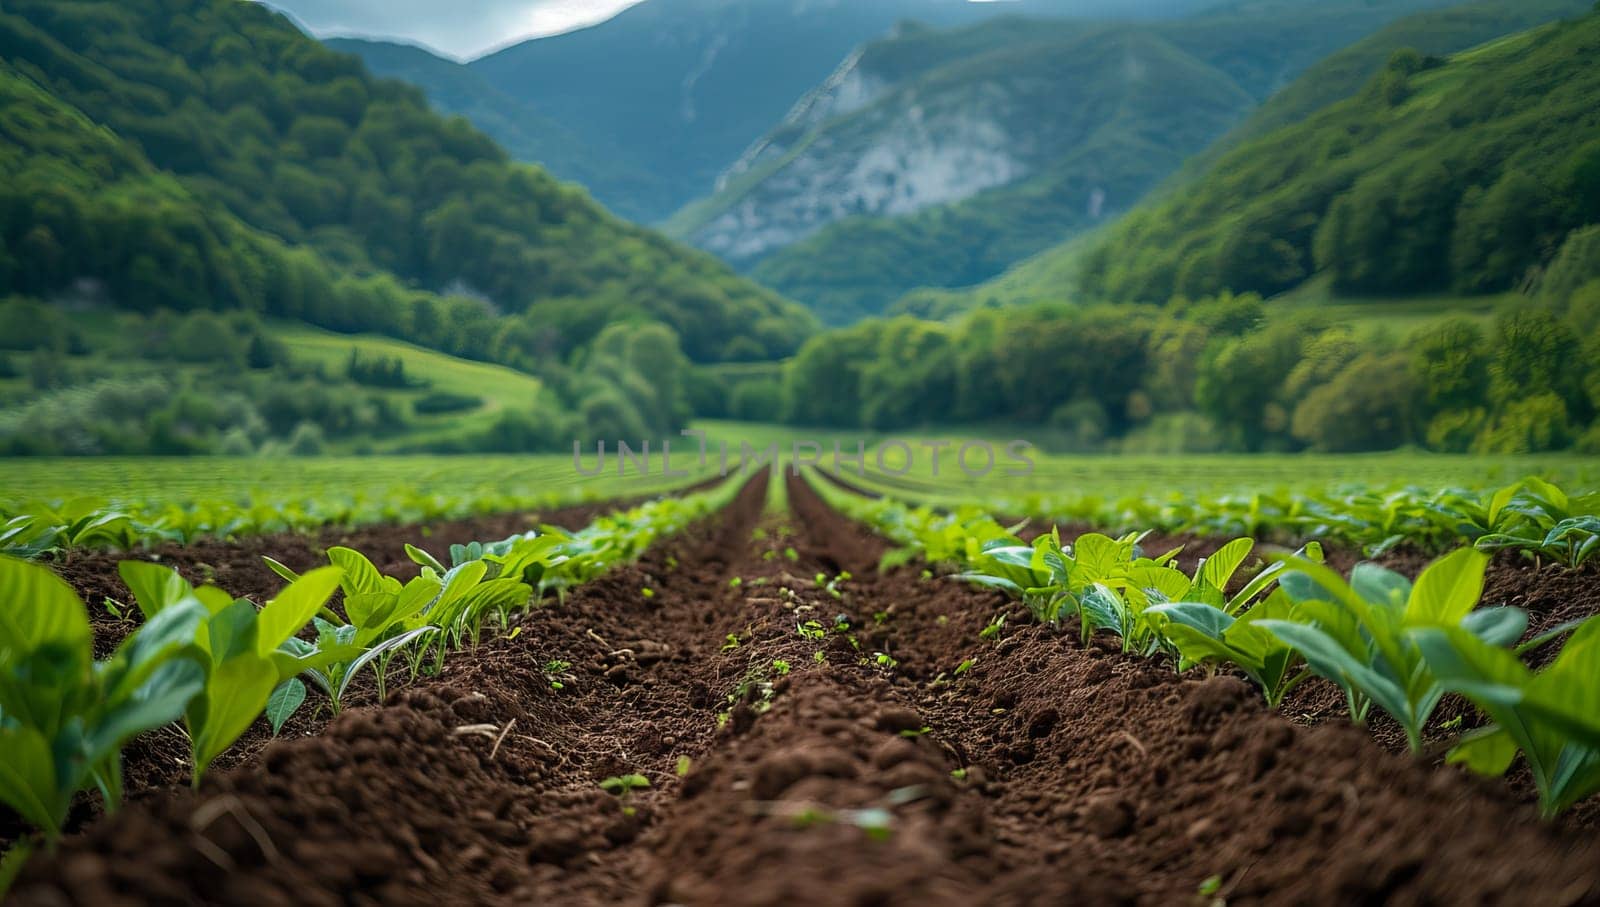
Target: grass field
(500, 387)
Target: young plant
(63, 716)
(1356, 634)
(250, 656)
(623, 786)
(1206, 634)
(1552, 717)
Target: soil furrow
(1112, 774)
(479, 786)
(819, 739)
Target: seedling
(554, 669)
(647, 592)
(992, 631)
(623, 786)
(732, 642)
(780, 667)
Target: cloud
(460, 28)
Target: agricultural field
(123, 502)
(780, 670)
(1141, 453)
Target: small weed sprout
(993, 630)
(554, 670)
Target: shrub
(441, 402)
(1532, 425)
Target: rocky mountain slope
(940, 157)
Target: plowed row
(787, 768)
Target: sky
(457, 28)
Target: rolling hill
(940, 158)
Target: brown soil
(854, 768)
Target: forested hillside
(361, 204)
(454, 88)
(939, 159)
(1054, 273)
(183, 185)
(1479, 173)
(1458, 174)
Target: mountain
(526, 134)
(684, 86)
(941, 158)
(1054, 272)
(1462, 173)
(239, 164)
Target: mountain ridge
(810, 209)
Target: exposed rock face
(889, 160)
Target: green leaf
(154, 586)
(1486, 751)
(1332, 662)
(1496, 626)
(294, 607)
(387, 645)
(423, 558)
(1211, 621)
(285, 699)
(1448, 588)
(360, 576)
(1380, 585)
(28, 782)
(236, 693)
(39, 608)
(232, 631)
(1220, 567)
(161, 699)
(280, 569)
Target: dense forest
(1458, 174)
(366, 207)
(1222, 373)
(198, 171)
